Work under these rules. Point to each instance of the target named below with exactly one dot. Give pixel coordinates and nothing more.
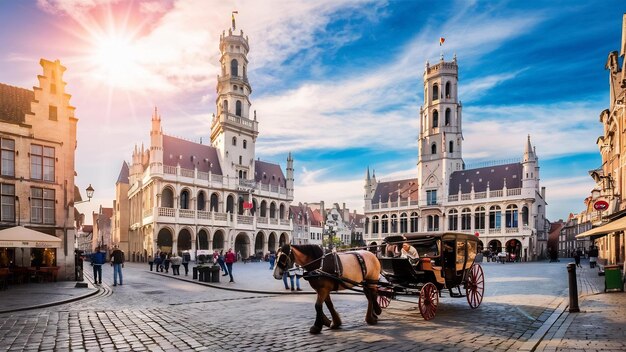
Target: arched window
(451, 149)
(234, 67)
(214, 202)
(263, 209)
(511, 216)
(448, 90)
(230, 204)
(403, 223)
(525, 215)
(466, 219)
(238, 108)
(235, 141)
(433, 222)
(375, 224)
(245, 144)
(167, 198)
(184, 199)
(281, 211)
(225, 106)
(273, 210)
(479, 218)
(435, 91)
(240, 208)
(394, 223)
(414, 223)
(435, 118)
(384, 222)
(447, 117)
(240, 162)
(201, 201)
(433, 148)
(453, 220)
(495, 217)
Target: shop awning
(21, 237)
(615, 225)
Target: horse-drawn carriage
(445, 262)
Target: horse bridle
(282, 258)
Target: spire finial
(233, 18)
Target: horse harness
(333, 269)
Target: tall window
(7, 168)
(201, 201)
(214, 202)
(225, 105)
(245, 144)
(433, 222)
(447, 117)
(479, 218)
(42, 205)
(403, 223)
(447, 89)
(238, 108)
(414, 223)
(235, 141)
(511, 216)
(184, 199)
(453, 220)
(7, 202)
(435, 92)
(375, 224)
(385, 224)
(495, 217)
(234, 68)
(431, 197)
(451, 148)
(52, 112)
(435, 118)
(466, 219)
(41, 162)
(433, 148)
(394, 223)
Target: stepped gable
(15, 103)
(494, 175)
(123, 176)
(388, 191)
(269, 174)
(190, 155)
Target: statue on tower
(233, 17)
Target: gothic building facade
(503, 204)
(187, 196)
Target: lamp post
(89, 191)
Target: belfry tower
(233, 131)
(440, 138)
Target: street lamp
(89, 191)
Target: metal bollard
(573, 288)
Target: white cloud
(313, 189)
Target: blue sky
(337, 83)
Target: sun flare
(115, 59)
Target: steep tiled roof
(189, 155)
(14, 103)
(123, 176)
(306, 214)
(388, 191)
(268, 173)
(494, 175)
(107, 212)
(316, 217)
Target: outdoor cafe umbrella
(21, 237)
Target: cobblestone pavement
(151, 312)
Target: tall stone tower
(440, 138)
(233, 131)
(530, 169)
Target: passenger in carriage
(409, 251)
(391, 250)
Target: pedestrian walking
(593, 256)
(219, 258)
(272, 259)
(97, 259)
(150, 262)
(167, 262)
(576, 255)
(186, 260)
(176, 261)
(117, 262)
(229, 259)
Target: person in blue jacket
(97, 259)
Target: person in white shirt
(409, 251)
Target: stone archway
(164, 240)
(271, 242)
(184, 241)
(203, 239)
(495, 246)
(218, 240)
(284, 239)
(242, 245)
(514, 248)
(258, 243)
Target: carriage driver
(409, 251)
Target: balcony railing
(186, 213)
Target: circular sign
(477, 234)
(601, 205)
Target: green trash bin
(215, 273)
(613, 278)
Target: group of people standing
(98, 258)
(163, 261)
(225, 262)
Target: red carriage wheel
(384, 297)
(475, 286)
(429, 300)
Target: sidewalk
(599, 326)
(39, 295)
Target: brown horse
(324, 280)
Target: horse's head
(284, 261)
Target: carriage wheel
(429, 300)
(384, 295)
(475, 286)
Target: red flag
(247, 205)
(441, 40)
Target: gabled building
(502, 203)
(120, 222)
(37, 173)
(188, 196)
